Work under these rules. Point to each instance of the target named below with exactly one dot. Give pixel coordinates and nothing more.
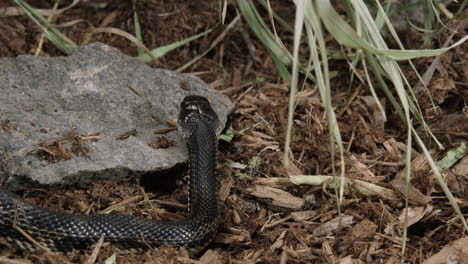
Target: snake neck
(203, 183)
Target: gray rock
(44, 99)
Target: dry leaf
(414, 214)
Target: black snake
(64, 232)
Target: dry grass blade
(280, 55)
(213, 44)
(126, 35)
(121, 204)
(72, 23)
(426, 78)
(41, 40)
(17, 11)
(161, 51)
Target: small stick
(120, 204)
(97, 248)
(134, 89)
(145, 242)
(38, 245)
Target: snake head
(196, 108)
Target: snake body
(64, 232)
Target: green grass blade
(316, 41)
(414, 106)
(347, 36)
(136, 23)
(258, 26)
(279, 19)
(213, 44)
(54, 35)
(298, 24)
(461, 8)
(396, 76)
(161, 51)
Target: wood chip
(364, 229)
(225, 189)
(274, 182)
(349, 260)
(292, 169)
(5, 260)
(462, 167)
(303, 215)
(278, 242)
(378, 117)
(277, 222)
(278, 197)
(127, 134)
(332, 225)
(419, 164)
(455, 252)
(211, 257)
(362, 171)
(228, 239)
(165, 130)
(414, 195)
(162, 142)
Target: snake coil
(64, 232)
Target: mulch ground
(266, 218)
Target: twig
(144, 241)
(122, 203)
(46, 250)
(134, 89)
(97, 248)
(386, 163)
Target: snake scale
(64, 232)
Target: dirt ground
(266, 218)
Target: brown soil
(266, 218)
